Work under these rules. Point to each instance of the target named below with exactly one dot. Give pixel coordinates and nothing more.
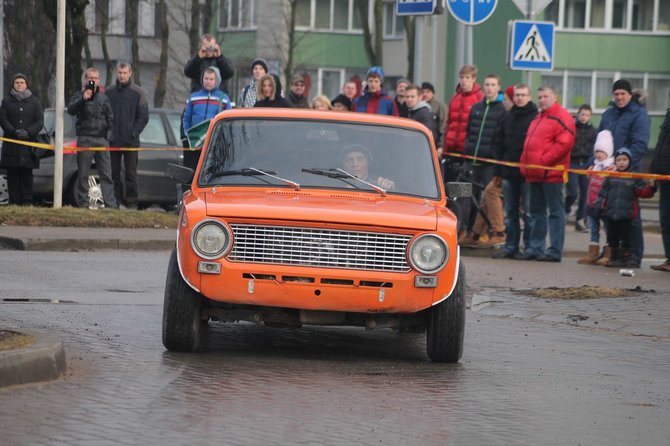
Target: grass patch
(75, 217)
(582, 292)
(11, 339)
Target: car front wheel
(446, 326)
(181, 311)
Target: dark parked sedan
(162, 131)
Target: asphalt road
(521, 381)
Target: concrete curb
(42, 361)
(37, 244)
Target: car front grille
(325, 248)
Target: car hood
(335, 207)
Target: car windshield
(320, 154)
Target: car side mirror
(179, 173)
(457, 189)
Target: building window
(595, 88)
(329, 15)
(113, 12)
(610, 15)
(236, 14)
(394, 26)
(146, 18)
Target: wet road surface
(519, 382)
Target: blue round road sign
(471, 12)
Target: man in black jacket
(661, 165)
(131, 112)
(420, 111)
(95, 126)
(509, 147)
(209, 55)
(481, 131)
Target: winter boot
(604, 256)
(617, 259)
(591, 257)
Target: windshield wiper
(341, 175)
(252, 171)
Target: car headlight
(428, 254)
(210, 239)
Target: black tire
(446, 326)
(181, 311)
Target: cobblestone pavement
(520, 381)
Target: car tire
(181, 311)
(446, 326)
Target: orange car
(323, 218)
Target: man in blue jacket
(629, 123)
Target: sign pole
(60, 104)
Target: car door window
(153, 133)
(174, 122)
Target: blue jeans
(576, 189)
(594, 226)
(548, 212)
(515, 194)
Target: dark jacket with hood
(511, 137)
(482, 128)
(295, 101)
(618, 197)
(630, 127)
(205, 104)
(196, 66)
(585, 137)
(661, 161)
(423, 114)
(131, 113)
(94, 117)
(20, 111)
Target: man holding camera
(95, 126)
(209, 55)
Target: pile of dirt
(582, 292)
(10, 340)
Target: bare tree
(194, 30)
(134, 6)
(410, 27)
(290, 16)
(208, 8)
(23, 52)
(161, 82)
(372, 38)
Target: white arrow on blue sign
(532, 46)
(414, 7)
(471, 12)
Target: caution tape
(40, 145)
(599, 173)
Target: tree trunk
(208, 7)
(372, 38)
(109, 66)
(159, 95)
(134, 6)
(76, 36)
(194, 31)
(410, 27)
(288, 70)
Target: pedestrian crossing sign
(532, 46)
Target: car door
(154, 186)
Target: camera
(210, 49)
(90, 85)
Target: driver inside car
(356, 160)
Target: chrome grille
(287, 245)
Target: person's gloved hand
(22, 134)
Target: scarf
(25, 94)
(604, 164)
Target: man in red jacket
(549, 142)
(468, 93)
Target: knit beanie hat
(623, 151)
(622, 84)
(375, 71)
(604, 142)
(428, 86)
(509, 91)
(20, 76)
(260, 62)
(342, 99)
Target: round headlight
(428, 254)
(210, 239)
